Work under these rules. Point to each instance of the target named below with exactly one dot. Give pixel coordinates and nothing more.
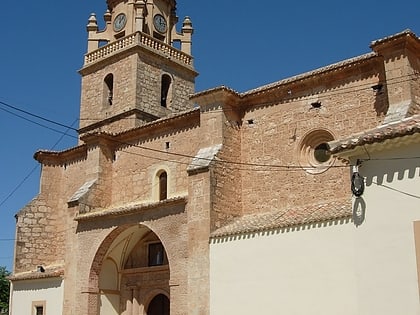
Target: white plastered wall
(26, 292)
(359, 268)
(302, 271)
(386, 265)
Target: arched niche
(130, 265)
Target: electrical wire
(396, 190)
(314, 96)
(37, 116)
(31, 121)
(34, 168)
(287, 167)
(268, 167)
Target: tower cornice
(135, 41)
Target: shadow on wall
(391, 171)
(359, 211)
(386, 173)
(37, 286)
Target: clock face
(160, 23)
(119, 22)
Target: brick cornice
(403, 40)
(179, 121)
(280, 90)
(48, 274)
(62, 157)
(130, 209)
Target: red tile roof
(289, 217)
(402, 128)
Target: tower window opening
(316, 104)
(109, 89)
(156, 254)
(165, 87)
(163, 186)
(159, 36)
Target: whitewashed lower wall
(364, 267)
(287, 272)
(24, 293)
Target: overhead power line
(33, 169)
(37, 116)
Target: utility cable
(160, 151)
(272, 166)
(31, 121)
(314, 96)
(37, 116)
(34, 168)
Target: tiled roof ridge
(395, 129)
(128, 209)
(288, 217)
(159, 121)
(305, 75)
(74, 149)
(406, 32)
(302, 76)
(216, 89)
(49, 272)
(83, 147)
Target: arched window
(108, 89)
(159, 305)
(163, 186)
(165, 89)
(156, 254)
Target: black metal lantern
(357, 184)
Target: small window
(109, 89)
(165, 87)
(156, 254)
(38, 308)
(163, 186)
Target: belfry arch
(130, 266)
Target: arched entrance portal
(135, 265)
(159, 305)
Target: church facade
(214, 202)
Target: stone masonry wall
(39, 227)
(415, 85)
(39, 239)
(272, 134)
(137, 85)
(148, 89)
(226, 179)
(94, 106)
(135, 169)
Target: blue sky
(241, 44)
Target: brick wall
(348, 105)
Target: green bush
(4, 290)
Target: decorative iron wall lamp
(357, 181)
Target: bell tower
(137, 69)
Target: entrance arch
(159, 305)
(130, 264)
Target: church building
(219, 202)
